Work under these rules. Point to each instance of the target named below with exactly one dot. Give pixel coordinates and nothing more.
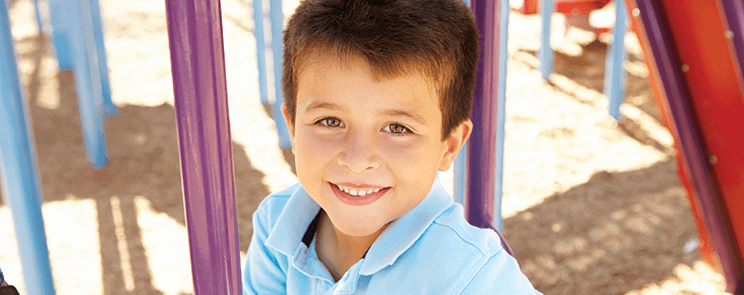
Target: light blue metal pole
(87, 83)
(614, 87)
(277, 27)
(18, 170)
(39, 22)
(460, 166)
(109, 108)
(258, 32)
(545, 53)
(498, 221)
(60, 21)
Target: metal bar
(18, 170)
(503, 54)
(200, 89)
(614, 87)
(87, 83)
(258, 32)
(459, 168)
(545, 53)
(60, 21)
(684, 123)
(277, 26)
(39, 22)
(109, 108)
(734, 11)
(481, 170)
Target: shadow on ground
(588, 70)
(144, 162)
(573, 241)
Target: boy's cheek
(409, 151)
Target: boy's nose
(358, 155)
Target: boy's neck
(338, 251)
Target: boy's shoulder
(278, 199)
(272, 205)
(453, 226)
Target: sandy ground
(591, 206)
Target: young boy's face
(368, 151)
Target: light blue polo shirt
(429, 250)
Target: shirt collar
(405, 230)
(301, 209)
(292, 222)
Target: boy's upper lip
(356, 185)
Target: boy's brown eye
(331, 122)
(396, 128)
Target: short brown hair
(436, 38)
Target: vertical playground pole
(87, 83)
(667, 65)
(109, 108)
(482, 146)
(459, 167)
(39, 22)
(200, 89)
(614, 87)
(60, 21)
(258, 32)
(18, 170)
(277, 27)
(503, 54)
(545, 53)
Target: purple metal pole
(481, 171)
(685, 126)
(734, 11)
(199, 85)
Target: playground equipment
(79, 45)
(88, 81)
(614, 74)
(277, 49)
(694, 58)
(18, 169)
(485, 148)
(198, 65)
(77, 38)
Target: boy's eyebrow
(402, 113)
(322, 105)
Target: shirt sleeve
(500, 275)
(262, 272)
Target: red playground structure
(695, 54)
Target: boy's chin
(359, 231)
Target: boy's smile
(367, 151)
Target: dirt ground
(591, 206)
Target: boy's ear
(454, 142)
(290, 124)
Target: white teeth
(356, 192)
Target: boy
(378, 95)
